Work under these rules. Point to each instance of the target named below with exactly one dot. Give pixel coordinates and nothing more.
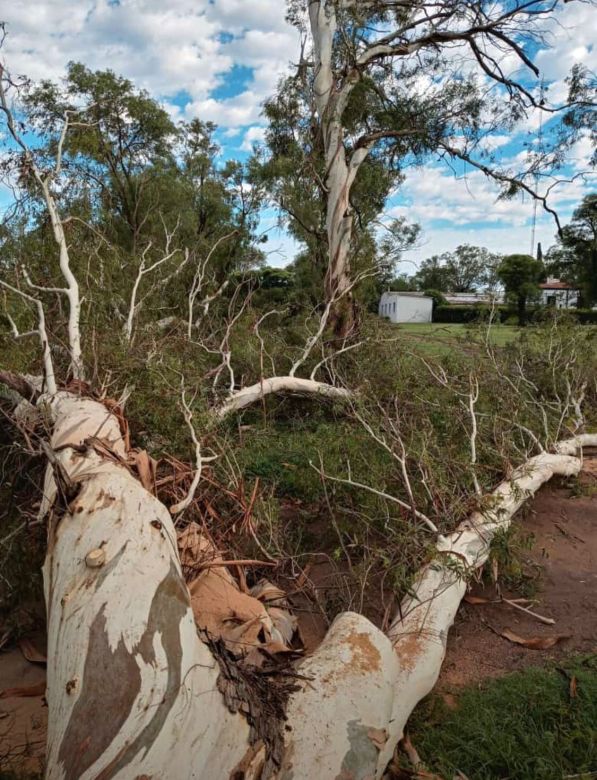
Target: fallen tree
(122, 637)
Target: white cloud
(464, 209)
(182, 46)
(252, 136)
(191, 46)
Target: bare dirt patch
(23, 719)
(564, 527)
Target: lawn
(540, 724)
(438, 338)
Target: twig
(541, 618)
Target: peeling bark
(340, 171)
(132, 690)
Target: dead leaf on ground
(536, 642)
(38, 689)
(31, 653)
(573, 687)
(476, 600)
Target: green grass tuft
(525, 726)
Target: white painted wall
(561, 299)
(398, 307)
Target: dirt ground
(564, 551)
(23, 719)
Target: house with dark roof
(558, 294)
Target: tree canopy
(466, 269)
(574, 257)
(520, 275)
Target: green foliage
(438, 298)
(524, 726)
(574, 257)
(520, 275)
(509, 550)
(466, 269)
(134, 189)
(586, 316)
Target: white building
(559, 294)
(406, 307)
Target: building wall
(561, 299)
(405, 308)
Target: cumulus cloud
(182, 47)
(464, 208)
(254, 135)
(181, 51)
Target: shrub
(466, 314)
(586, 316)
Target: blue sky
(220, 59)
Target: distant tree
(402, 283)
(438, 297)
(466, 269)
(520, 275)
(574, 258)
(432, 274)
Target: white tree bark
(131, 688)
(350, 717)
(122, 638)
(41, 332)
(279, 384)
(340, 172)
(44, 182)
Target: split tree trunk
(132, 690)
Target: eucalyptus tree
(151, 197)
(385, 84)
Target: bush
(438, 298)
(586, 316)
(505, 315)
(466, 314)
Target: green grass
(525, 726)
(441, 338)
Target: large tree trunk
(340, 174)
(132, 689)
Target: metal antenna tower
(536, 177)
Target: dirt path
(564, 551)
